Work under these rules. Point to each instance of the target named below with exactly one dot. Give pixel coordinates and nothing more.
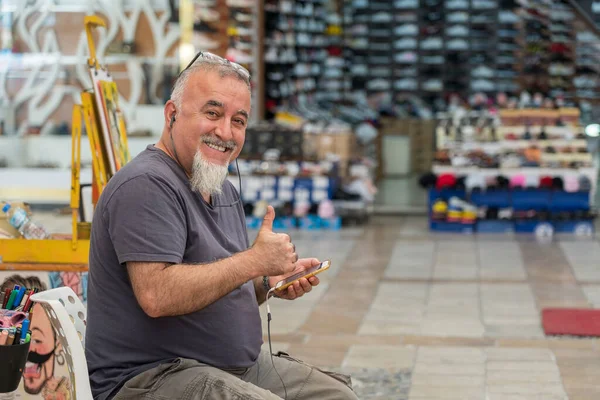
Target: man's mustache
(230, 144)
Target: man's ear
(170, 112)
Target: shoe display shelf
(542, 212)
(335, 79)
(536, 48)
(294, 52)
(518, 141)
(286, 193)
(518, 170)
(584, 18)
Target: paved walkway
(419, 316)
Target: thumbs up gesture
(275, 251)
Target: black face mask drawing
(37, 358)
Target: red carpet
(571, 321)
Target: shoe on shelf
(202, 26)
(439, 210)
(206, 14)
(241, 3)
(242, 17)
(203, 42)
(205, 3)
(238, 56)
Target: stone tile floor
(413, 315)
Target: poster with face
(46, 375)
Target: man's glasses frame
(243, 71)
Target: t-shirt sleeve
(146, 221)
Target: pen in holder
(12, 363)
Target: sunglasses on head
(210, 56)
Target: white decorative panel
(42, 76)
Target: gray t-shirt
(148, 212)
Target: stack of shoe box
(321, 146)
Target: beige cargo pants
(190, 380)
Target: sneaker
(457, 30)
(243, 46)
(406, 57)
(380, 60)
(483, 4)
(206, 14)
(271, 55)
(482, 72)
(458, 17)
(402, 4)
(408, 30)
(203, 42)
(359, 70)
(381, 72)
(457, 4)
(405, 44)
(205, 3)
(333, 73)
(435, 60)
(378, 84)
(406, 17)
(432, 43)
(439, 210)
(380, 46)
(241, 3)
(381, 17)
(242, 17)
(433, 85)
(406, 84)
(483, 85)
(457, 44)
(508, 17)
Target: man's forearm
(182, 289)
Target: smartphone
(307, 273)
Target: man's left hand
(301, 286)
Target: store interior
(429, 131)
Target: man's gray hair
(209, 63)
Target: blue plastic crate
(313, 222)
(284, 223)
(536, 227)
(253, 222)
(579, 228)
(495, 226)
(566, 201)
(531, 199)
(453, 227)
(332, 224)
(496, 198)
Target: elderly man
(174, 286)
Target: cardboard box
(319, 145)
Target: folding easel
(107, 157)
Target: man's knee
(331, 385)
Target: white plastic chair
(68, 317)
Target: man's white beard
(207, 178)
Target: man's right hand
(274, 251)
